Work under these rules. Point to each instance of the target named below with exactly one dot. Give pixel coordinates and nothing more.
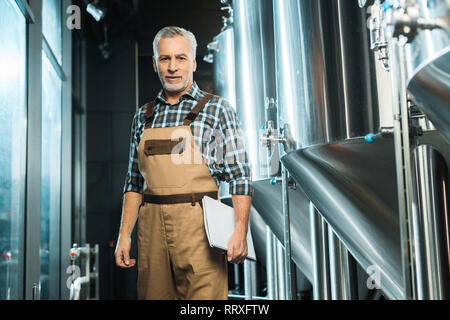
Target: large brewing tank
(255, 81)
(428, 65)
(224, 70)
(222, 48)
(324, 70)
(324, 77)
(223, 52)
(302, 92)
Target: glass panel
(51, 180)
(51, 26)
(12, 149)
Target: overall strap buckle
(196, 110)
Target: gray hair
(170, 32)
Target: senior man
(182, 145)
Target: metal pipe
(335, 268)
(8, 272)
(236, 277)
(425, 186)
(275, 268)
(270, 270)
(429, 210)
(255, 282)
(87, 253)
(339, 268)
(325, 272)
(403, 166)
(96, 275)
(281, 272)
(287, 235)
(315, 243)
(36, 291)
(349, 268)
(75, 288)
(319, 255)
(248, 292)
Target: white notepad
(219, 225)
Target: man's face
(175, 64)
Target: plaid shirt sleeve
(236, 169)
(134, 181)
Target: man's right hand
(122, 253)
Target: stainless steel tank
(222, 48)
(353, 185)
(224, 69)
(302, 93)
(254, 80)
(355, 76)
(324, 93)
(254, 44)
(324, 71)
(428, 65)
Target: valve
(386, 5)
(275, 181)
(405, 20)
(370, 138)
(378, 36)
(74, 252)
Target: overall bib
(175, 260)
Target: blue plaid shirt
(216, 132)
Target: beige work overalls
(175, 260)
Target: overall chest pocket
(166, 167)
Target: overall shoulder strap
(196, 110)
(150, 114)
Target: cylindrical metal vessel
(253, 51)
(224, 75)
(224, 70)
(431, 215)
(302, 93)
(352, 184)
(323, 69)
(355, 75)
(428, 65)
(319, 253)
(267, 200)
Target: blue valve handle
(387, 5)
(370, 138)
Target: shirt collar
(193, 93)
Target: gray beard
(180, 87)
(172, 89)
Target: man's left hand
(237, 248)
